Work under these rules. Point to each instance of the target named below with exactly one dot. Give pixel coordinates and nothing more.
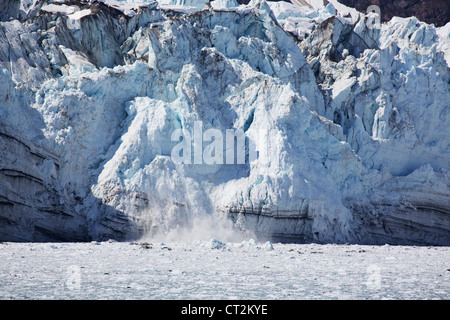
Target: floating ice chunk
(250, 243)
(216, 244)
(267, 246)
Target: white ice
(212, 269)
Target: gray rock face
(430, 11)
(33, 206)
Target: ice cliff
(351, 122)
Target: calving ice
(231, 309)
(214, 147)
(146, 119)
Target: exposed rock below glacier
(350, 123)
(32, 204)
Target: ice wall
(351, 123)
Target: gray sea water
(217, 270)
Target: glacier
(353, 122)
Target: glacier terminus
(343, 123)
